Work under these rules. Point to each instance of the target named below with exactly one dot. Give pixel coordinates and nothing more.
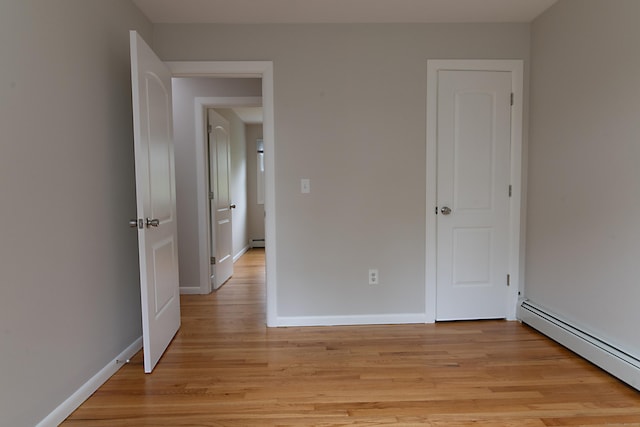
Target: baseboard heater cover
(257, 243)
(617, 362)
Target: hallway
(225, 368)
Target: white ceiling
(341, 11)
(249, 115)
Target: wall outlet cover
(374, 277)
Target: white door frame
(235, 69)
(516, 68)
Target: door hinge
(510, 190)
(512, 96)
(213, 260)
(210, 195)
(508, 280)
(210, 128)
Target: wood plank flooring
(225, 368)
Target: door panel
(471, 256)
(161, 150)
(473, 144)
(155, 196)
(163, 283)
(220, 207)
(473, 152)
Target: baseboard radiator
(257, 243)
(617, 362)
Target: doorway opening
(198, 153)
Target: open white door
(156, 201)
(220, 199)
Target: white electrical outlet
(374, 278)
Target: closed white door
(473, 152)
(156, 201)
(220, 199)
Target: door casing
(516, 68)
(237, 69)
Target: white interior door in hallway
(156, 200)
(473, 190)
(220, 206)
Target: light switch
(305, 185)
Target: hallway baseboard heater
(617, 362)
(257, 243)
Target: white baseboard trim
(372, 319)
(190, 290)
(58, 415)
(237, 256)
(598, 351)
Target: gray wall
(69, 284)
(349, 115)
(256, 211)
(185, 90)
(583, 238)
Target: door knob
(133, 223)
(445, 210)
(233, 206)
(153, 222)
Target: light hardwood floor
(225, 368)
